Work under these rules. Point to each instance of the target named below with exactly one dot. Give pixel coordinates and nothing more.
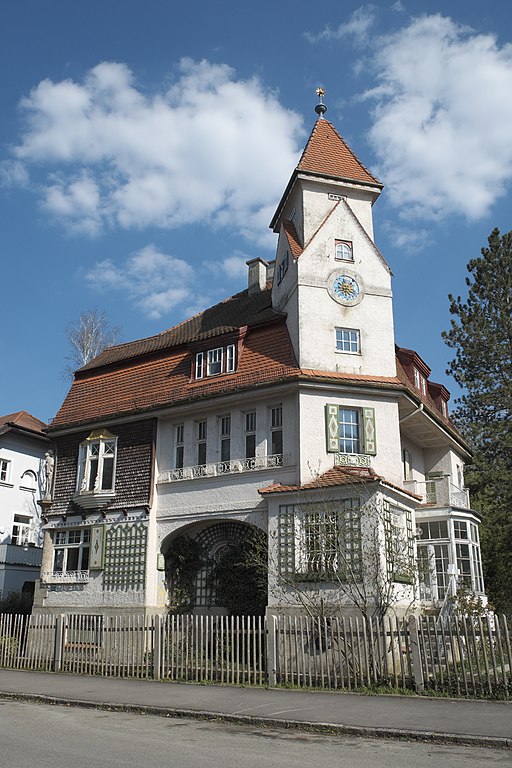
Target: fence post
(157, 647)
(271, 649)
(60, 625)
(417, 667)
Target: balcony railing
(232, 467)
(439, 492)
(69, 577)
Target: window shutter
(369, 438)
(96, 551)
(332, 430)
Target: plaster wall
(314, 458)
(16, 497)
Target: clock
(344, 288)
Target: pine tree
(481, 335)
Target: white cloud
(357, 28)
(210, 148)
(442, 118)
(13, 174)
(142, 278)
(233, 267)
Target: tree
(88, 337)
(481, 335)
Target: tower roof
(327, 155)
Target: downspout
(419, 409)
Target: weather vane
(320, 108)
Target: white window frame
(88, 455)
(348, 341)
(214, 360)
(21, 529)
(276, 427)
(343, 250)
(71, 539)
(5, 470)
(179, 445)
(201, 440)
(230, 358)
(353, 440)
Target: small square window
(348, 340)
(343, 250)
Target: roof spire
(320, 108)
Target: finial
(320, 109)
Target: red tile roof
(327, 154)
(22, 420)
(335, 477)
(293, 238)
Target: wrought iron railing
(231, 467)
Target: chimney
(257, 275)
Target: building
(23, 444)
(282, 419)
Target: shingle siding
(134, 466)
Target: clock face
(345, 288)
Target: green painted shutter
(369, 438)
(332, 429)
(96, 547)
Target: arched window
(28, 480)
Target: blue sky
(144, 146)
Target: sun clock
(345, 289)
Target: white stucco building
(23, 444)
(285, 415)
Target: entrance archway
(221, 567)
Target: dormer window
(343, 250)
(420, 382)
(215, 361)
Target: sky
(144, 146)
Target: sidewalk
(480, 723)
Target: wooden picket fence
(463, 656)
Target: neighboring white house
(23, 444)
(286, 413)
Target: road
(64, 737)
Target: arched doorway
(221, 567)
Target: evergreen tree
(481, 335)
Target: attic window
(420, 382)
(343, 250)
(215, 361)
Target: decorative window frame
(365, 424)
(99, 446)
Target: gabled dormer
(330, 279)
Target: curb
(333, 729)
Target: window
(434, 529)
(420, 382)
(276, 430)
(71, 550)
(179, 446)
(225, 438)
(5, 467)
(97, 463)
(343, 250)
(467, 549)
(350, 430)
(201, 428)
(282, 267)
(21, 529)
(215, 361)
(407, 462)
(321, 541)
(348, 340)
(433, 562)
(250, 435)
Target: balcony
(69, 577)
(232, 467)
(439, 492)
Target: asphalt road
(60, 737)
